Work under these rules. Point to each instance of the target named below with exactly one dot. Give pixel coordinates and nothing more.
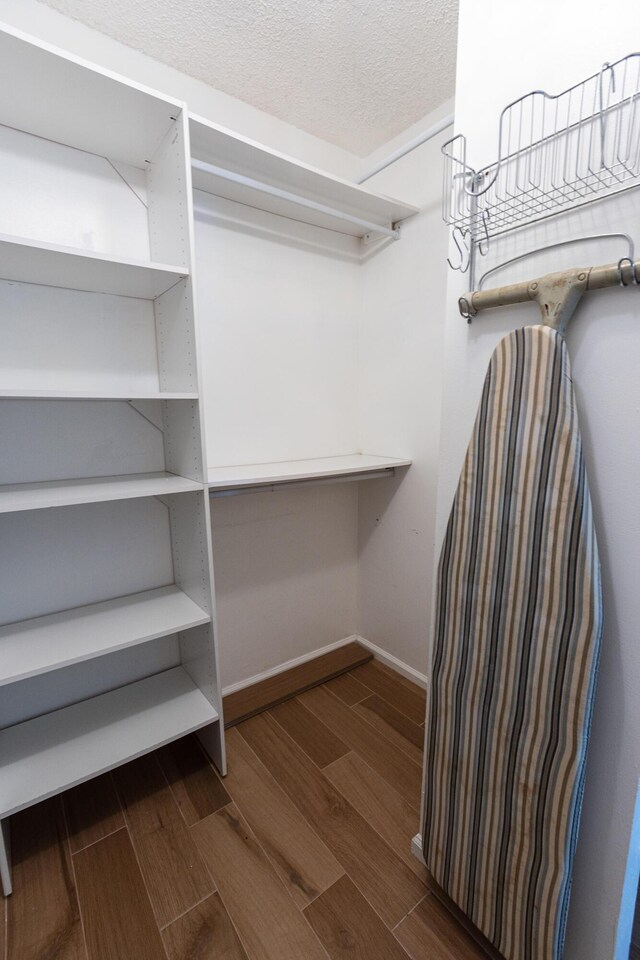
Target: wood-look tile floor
(301, 853)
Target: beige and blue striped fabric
(516, 644)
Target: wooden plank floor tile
(266, 918)
(303, 862)
(349, 928)
(309, 732)
(377, 871)
(348, 689)
(260, 696)
(394, 674)
(395, 726)
(3, 929)
(204, 933)
(43, 919)
(93, 811)
(116, 913)
(387, 812)
(194, 782)
(431, 933)
(395, 767)
(173, 870)
(389, 686)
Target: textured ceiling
(354, 72)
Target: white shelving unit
(230, 166)
(107, 643)
(357, 466)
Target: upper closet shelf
(357, 466)
(230, 166)
(32, 261)
(52, 94)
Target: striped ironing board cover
(516, 645)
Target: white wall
(46, 24)
(400, 368)
(604, 345)
(279, 304)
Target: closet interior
(109, 638)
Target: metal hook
(486, 240)
(620, 274)
(466, 309)
(457, 231)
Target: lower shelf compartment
(32, 647)
(45, 756)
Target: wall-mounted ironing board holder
(555, 153)
(557, 294)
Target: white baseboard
(288, 664)
(398, 665)
(416, 848)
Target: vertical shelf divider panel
(204, 670)
(110, 705)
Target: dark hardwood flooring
(301, 853)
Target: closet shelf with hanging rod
(224, 481)
(235, 168)
(556, 152)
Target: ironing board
(516, 644)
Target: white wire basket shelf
(555, 152)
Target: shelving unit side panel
(52, 560)
(38, 695)
(190, 546)
(175, 338)
(182, 439)
(47, 440)
(191, 541)
(167, 197)
(55, 338)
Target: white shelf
(65, 493)
(49, 92)
(93, 395)
(44, 756)
(31, 261)
(294, 471)
(37, 646)
(244, 160)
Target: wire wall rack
(555, 152)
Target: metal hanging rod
(275, 486)
(409, 147)
(557, 294)
(367, 227)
